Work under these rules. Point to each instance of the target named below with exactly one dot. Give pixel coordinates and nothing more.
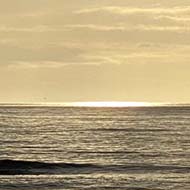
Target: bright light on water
(111, 104)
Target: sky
(95, 50)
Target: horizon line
(96, 104)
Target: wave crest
(14, 167)
(19, 167)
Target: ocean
(58, 147)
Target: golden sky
(94, 50)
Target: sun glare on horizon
(111, 104)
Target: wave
(19, 167)
(16, 167)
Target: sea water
(132, 148)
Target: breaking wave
(19, 167)
(16, 167)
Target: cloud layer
(57, 34)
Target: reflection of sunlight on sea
(112, 104)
